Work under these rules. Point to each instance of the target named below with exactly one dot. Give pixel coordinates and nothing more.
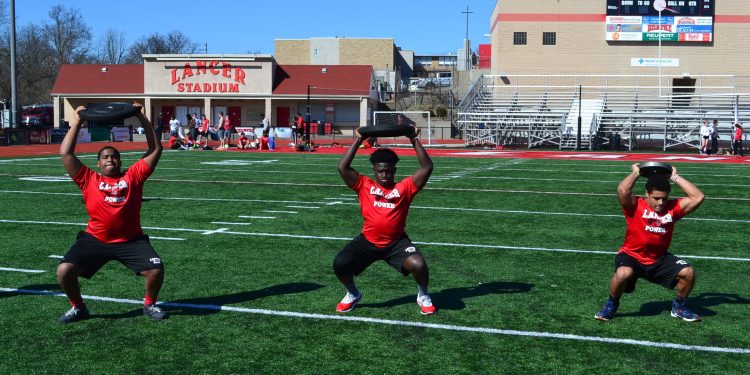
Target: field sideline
(520, 246)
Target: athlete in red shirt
(113, 202)
(384, 205)
(644, 254)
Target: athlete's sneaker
(154, 312)
(348, 302)
(683, 312)
(74, 314)
(425, 304)
(607, 312)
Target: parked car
(37, 115)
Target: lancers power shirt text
(114, 204)
(648, 234)
(384, 211)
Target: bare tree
(175, 42)
(36, 69)
(111, 47)
(69, 35)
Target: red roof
(337, 80)
(288, 80)
(90, 79)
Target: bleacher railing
(632, 110)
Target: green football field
(520, 254)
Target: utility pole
(14, 123)
(307, 119)
(467, 56)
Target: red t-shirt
(738, 134)
(114, 204)
(648, 233)
(204, 125)
(384, 211)
(227, 123)
(263, 143)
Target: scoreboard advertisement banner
(681, 21)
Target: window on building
(423, 60)
(549, 39)
(447, 60)
(519, 38)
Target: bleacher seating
(542, 111)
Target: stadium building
(243, 86)
(615, 74)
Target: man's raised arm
(153, 154)
(424, 171)
(68, 147)
(625, 188)
(349, 174)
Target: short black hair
(658, 182)
(99, 154)
(384, 155)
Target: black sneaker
(683, 312)
(154, 312)
(74, 314)
(607, 312)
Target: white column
(268, 111)
(364, 112)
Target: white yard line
(438, 244)
(167, 238)
(390, 322)
(228, 223)
(256, 217)
(280, 212)
(20, 270)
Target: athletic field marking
(208, 232)
(280, 212)
(418, 207)
(46, 178)
(167, 238)
(56, 256)
(562, 213)
(228, 223)
(20, 270)
(342, 198)
(439, 244)
(304, 207)
(359, 319)
(582, 180)
(256, 217)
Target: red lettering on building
(205, 68)
(200, 66)
(211, 66)
(186, 71)
(239, 75)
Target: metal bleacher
(615, 111)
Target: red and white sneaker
(348, 303)
(425, 304)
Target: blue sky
(228, 26)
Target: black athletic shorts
(91, 254)
(359, 254)
(663, 272)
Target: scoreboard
(681, 21)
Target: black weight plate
(385, 131)
(106, 112)
(654, 167)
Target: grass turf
(484, 225)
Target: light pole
(14, 123)
(307, 119)
(467, 57)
